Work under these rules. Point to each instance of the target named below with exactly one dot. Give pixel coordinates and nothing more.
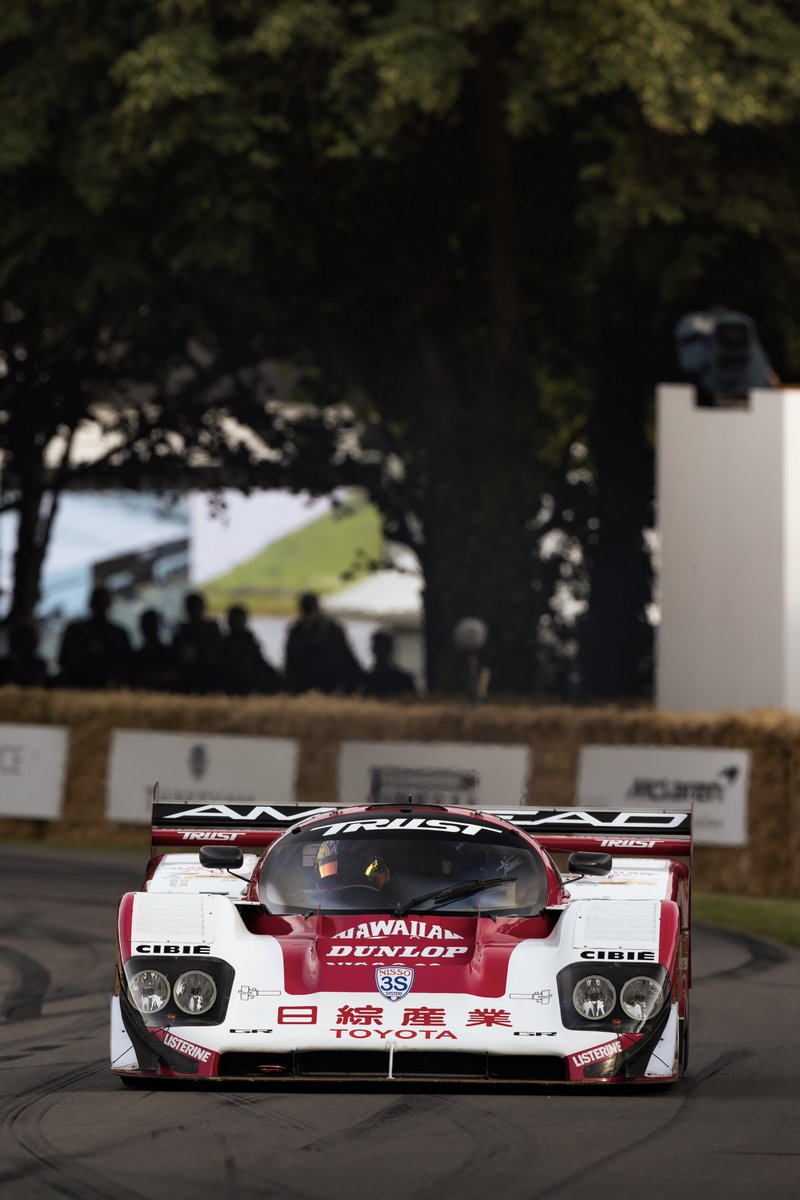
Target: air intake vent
(374, 1064)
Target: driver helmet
(337, 864)
(377, 872)
(326, 863)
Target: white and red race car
(406, 942)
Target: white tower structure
(728, 515)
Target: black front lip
(150, 1050)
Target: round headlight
(641, 997)
(195, 992)
(594, 997)
(149, 990)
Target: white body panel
(262, 1014)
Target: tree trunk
(33, 532)
(478, 561)
(616, 638)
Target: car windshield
(398, 863)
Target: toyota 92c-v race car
(406, 942)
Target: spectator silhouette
(198, 645)
(95, 653)
(154, 666)
(246, 670)
(22, 665)
(318, 654)
(385, 678)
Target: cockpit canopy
(399, 863)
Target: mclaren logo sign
(714, 780)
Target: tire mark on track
(267, 1113)
(61, 1173)
(489, 1149)
(683, 1091)
(24, 998)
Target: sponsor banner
(196, 770)
(596, 1053)
(207, 1060)
(170, 948)
(666, 777)
(32, 764)
(468, 774)
(578, 1065)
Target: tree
(420, 206)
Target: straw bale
(769, 865)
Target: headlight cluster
(183, 990)
(594, 997)
(149, 991)
(615, 999)
(194, 991)
(642, 997)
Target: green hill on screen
(324, 556)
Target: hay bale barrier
(768, 866)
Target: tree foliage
(466, 224)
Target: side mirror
(582, 862)
(221, 856)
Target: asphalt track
(68, 1128)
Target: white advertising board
(665, 777)
(469, 774)
(196, 768)
(33, 759)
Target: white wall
(728, 513)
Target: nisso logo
(394, 982)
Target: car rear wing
(254, 825)
(660, 834)
(618, 831)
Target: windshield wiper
(454, 892)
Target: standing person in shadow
(198, 648)
(246, 670)
(95, 653)
(385, 678)
(318, 654)
(154, 664)
(22, 665)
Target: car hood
(448, 954)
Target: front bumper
(211, 1053)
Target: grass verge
(777, 919)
